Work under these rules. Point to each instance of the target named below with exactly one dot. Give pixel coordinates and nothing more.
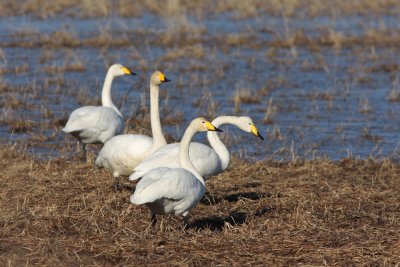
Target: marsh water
(309, 101)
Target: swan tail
(139, 199)
(99, 161)
(135, 176)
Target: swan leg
(117, 182)
(153, 220)
(83, 151)
(185, 222)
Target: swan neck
(184, 159)
(156, 130)
(106, 100)
(216, 143)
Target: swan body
(119, 157)
(174, 190)
(156, 191)
(91, 124)
(97, 124)
(207, 160)
(122, 153)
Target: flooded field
(317, 85)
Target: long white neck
(184, 160)
(106, 100)
(158, 137)
(216, 142)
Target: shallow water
(331, 103)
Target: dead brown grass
(60, 212)
(383, 38)
(240, 9)
(191, 44)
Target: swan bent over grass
(122, 153)
(207, 161)
(174, 190)
(97, 124)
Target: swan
(122, 153)
(207, 161)
(97, 124)
(174, 190)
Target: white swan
(97, 124)
(122, 153)
(174, 190)
(207, 161)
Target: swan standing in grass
(174, 190)
(122, 153)
(207, 161)
(97, 124)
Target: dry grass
(17, 69)
(394, 95)
(193, 40)
(373, 37)
(240, 9)
(270, 112)
(244, 96)
(60, 212)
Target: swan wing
(94, 124)
(165, 156)
(167, 183)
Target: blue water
(320, 101)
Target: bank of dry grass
(61, 212)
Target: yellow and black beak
(127, 71)
(163, 78)
(211, 127)
(255, 132)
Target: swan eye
(203, 122)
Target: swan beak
(255, 132)
(163, 79)
(211, 127)
(127, 71)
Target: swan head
(158, 78)
(119, 70)
(246, 124)
(202, 125)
